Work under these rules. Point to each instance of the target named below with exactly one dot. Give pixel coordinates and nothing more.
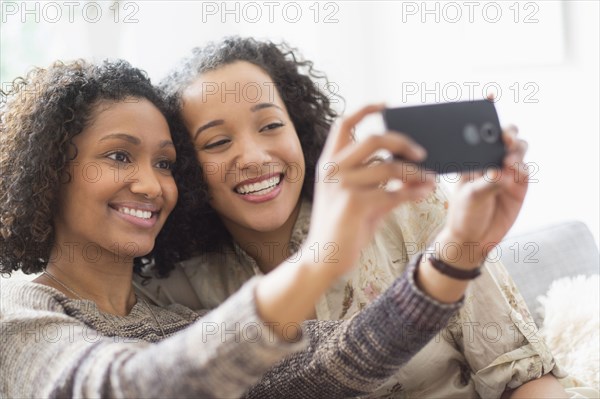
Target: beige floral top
(489, 346)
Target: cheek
(64, 200)
(83, 200)
(90, 185)
(213, 174)
(211, 178)
(295, 154)
(218, 190)
(170, 194)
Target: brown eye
(119, 156)
(165, 164)
(216, 144)
(271, 126)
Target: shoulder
(19, 296)
(201, 282)
(216, 276)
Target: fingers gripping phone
(460, 136)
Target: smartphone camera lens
(489, 133)
(471, 135)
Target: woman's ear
(66, 175)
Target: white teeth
(136, 212)
(263, 187)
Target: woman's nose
(251, 153)
(144, 181)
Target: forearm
(440, 287)
(546, 386)
(219, 355)
(357, 356)
(287, 295)
(454, 253)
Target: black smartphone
(459, 136)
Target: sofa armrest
(536, 259)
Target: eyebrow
(122, 136)
(218, 122)
(210, 124)
(260, 106)
(134, 140)
(166, 143)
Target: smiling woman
(120, 207)
(89, 163)
(133, 192)
(70, 152)
(250, 149)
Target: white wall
(377, 51)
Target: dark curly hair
(310, 109)
(40, 115)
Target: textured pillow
(571, 311)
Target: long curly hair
(40, 115)
(310, 109)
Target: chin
(266, 226)
(144, 249)
(135, 248)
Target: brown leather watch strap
(454, 272)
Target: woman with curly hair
(89, 171)
(257, 119)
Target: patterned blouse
(489, 346)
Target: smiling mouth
(138, 213)
(260, 188)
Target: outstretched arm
(355, 357)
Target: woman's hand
(349, 199)
(484, 207)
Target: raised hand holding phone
(482, 210)
(486, 204)
(349, 200)
(466, 137)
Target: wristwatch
(451, 271)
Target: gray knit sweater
(53, 346)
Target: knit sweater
(54, 346)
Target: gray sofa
(536, 259)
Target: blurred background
(539, 58)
